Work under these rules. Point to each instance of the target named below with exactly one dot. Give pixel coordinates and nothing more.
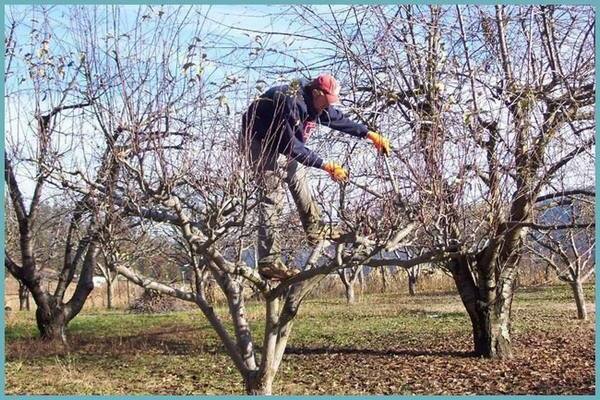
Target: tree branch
(431, 256)
(565, 193)
(12, 266)
(555, 227)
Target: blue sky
(224, 21)
(229, 21)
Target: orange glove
(382, 144)
(336, 171)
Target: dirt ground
(385, 344)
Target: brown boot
(271, 267)
(321, 231)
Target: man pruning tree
(280, 121)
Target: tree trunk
(109, 293)
(412, 285)
(490, 322)
(51, 321)
(491, 332)
(577, 288)
(23, 297)
(350, 298)
(383, 280)
(547, 273)
(361, 281)
(259, 384)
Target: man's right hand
(336, 172)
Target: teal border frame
(282, 2)
(3, 272)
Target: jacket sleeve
(289, 143)
(335, 119)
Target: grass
(386, 343)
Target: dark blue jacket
(283, 118)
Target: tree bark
(259, 384)
(349, 278)
(547, 273)
(491, 331)
(383, 280)
(52, 314)
(350, 297)
(51, 321)
(577, 288)
(111, 283)
(490, 322)
(361, 281)
(128, 294)
(412, 285)
(23, 297)
(109, 293)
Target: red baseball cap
(329, 86)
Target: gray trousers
(268, 170)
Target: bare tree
(349, 276)
(413, 273)
(52, 314)
(43, 100)
(547, 99)
(110, 279)
(493, 111)
(180, 166)
(569, 250)
(134, 244)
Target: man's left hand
(381, 143)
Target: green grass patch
(382, 344)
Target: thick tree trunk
(577, 288)
(52, 315)
(490, 322)
(491, 332)
(51, 321)
(259, 384)
(23, 297)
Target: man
(280, 121)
